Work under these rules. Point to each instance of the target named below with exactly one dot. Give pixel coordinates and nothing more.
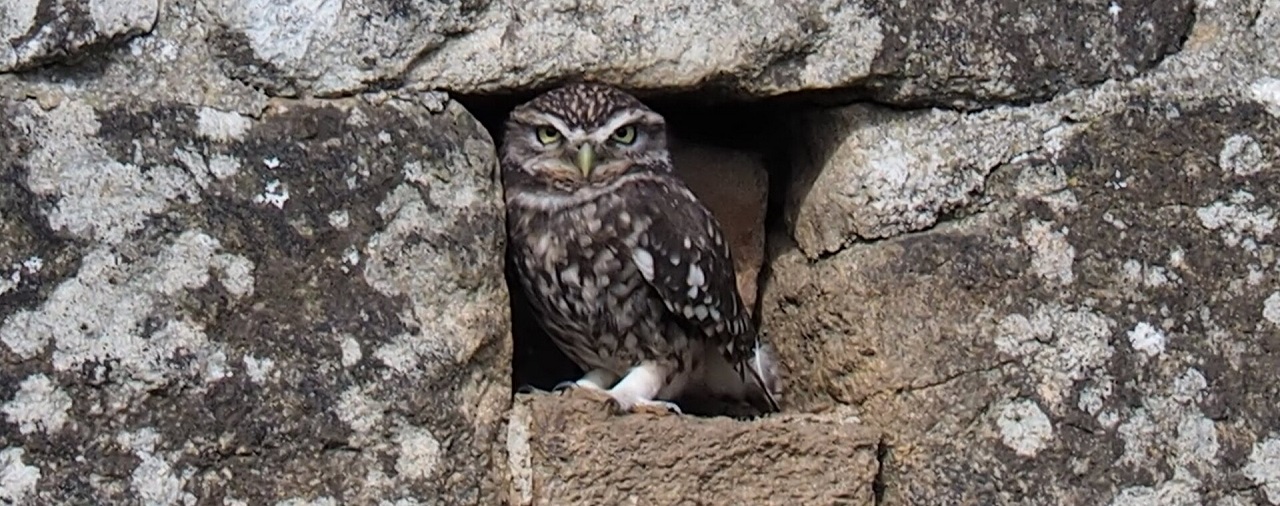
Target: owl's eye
(548, 135)
(624, 135)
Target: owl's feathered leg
(598, 379)
(637, 389)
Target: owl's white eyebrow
(604, 132)
(571, 133)
(622, 119)
(600, 135)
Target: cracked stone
(945, 52)
(177, 326)
(1082, 368)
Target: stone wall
(1018, 252)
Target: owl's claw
(564, 386)
(635, 392)
(598, 379)
(579, 390)
(656, 407)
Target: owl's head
(582, 134)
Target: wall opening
(734, 154)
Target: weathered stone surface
(954, 52)
(1074, 301)
(171, 62)
(734, 185)
(203, 305)
(962, 52)
(37, 32)
(870, 173)
(331, 47)
(569, 450)
(1067, 303)
(948, 51)
(1101, 332)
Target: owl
(627, 272)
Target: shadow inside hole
(761, 128)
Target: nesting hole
(707, 131)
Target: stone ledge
(567, 450)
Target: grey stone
(38, 32)
(200, 305)
(1098, 331)
(966, 53)
(246, 254)
(1071, 302)
(869, 173)
(866, 172)
(329, 47)
(950, 52)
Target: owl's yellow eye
(548, 135)
(624, 135)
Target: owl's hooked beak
(586, 159)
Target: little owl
(624, 268)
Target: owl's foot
(592, 386)
(584, 391)
(635, 392)
(564, 386)
(598, 379)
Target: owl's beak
(586, 159)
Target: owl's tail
(755, 380)
(764, 370)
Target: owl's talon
(657, 407)
(565, 386)
(596, 379)
(636, 391)
(587, 392)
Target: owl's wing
(685, 257)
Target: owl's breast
(577, 270)
(582, 256)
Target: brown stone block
(567, 450)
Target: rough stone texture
(211, 292)
(966, 52)
(567, 450)
(1065, 303)
(37, 32)
(331, 47)
(944, 51)
(866, 172)
(203, 305)
(953, 52)
(869, 173)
